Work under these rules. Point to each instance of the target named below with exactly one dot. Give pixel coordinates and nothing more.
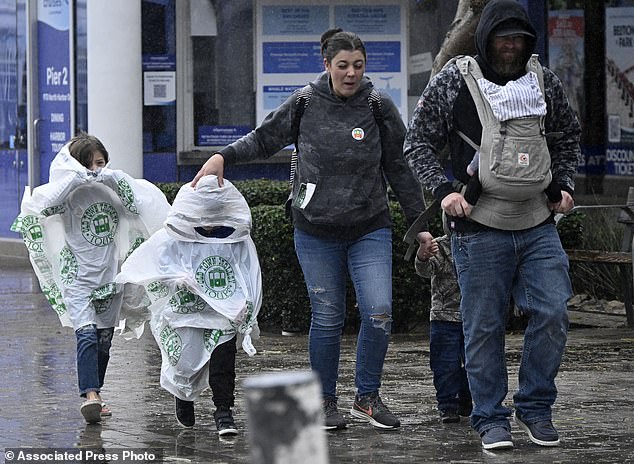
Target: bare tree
(460, 36)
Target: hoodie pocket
(343, 199)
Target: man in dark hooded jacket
(515, 254)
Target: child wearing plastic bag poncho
(202, 276)
(78, 229)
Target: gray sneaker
(370, 407)
(333, 419)
(497, 438)
(542, 432)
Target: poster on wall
(288, 33)
(619, 51)
(54, 81)
(565, 52)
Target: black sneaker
(448, 416)
(542, 432)
(224, 421)
(465, 407)
(333, 419)
(371, 408)
(185, 413)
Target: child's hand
(427, 246)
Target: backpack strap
(301, 103)
(376, 105)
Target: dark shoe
(542, 432)
(224, 421)
(91, 410)
(185, 413)
(497, 438)
(333, 419)
(371, 408)
(449, 416)
(465, 407)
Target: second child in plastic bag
(202, 276)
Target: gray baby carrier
(514, 166)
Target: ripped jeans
(93, 354)
(326, 264)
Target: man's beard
(508, 66)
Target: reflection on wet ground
(39, 406)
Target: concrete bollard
(285, 418)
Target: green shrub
(570, 229)
(255, 191)
(170, 189)
(263, 191)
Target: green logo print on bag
(32, 233)
(68, 266)
(210, 338)
(186, 302)
(127, 196)
(172, 344)
(99, 224)
(216, 277)
(101, 298)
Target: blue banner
(54, 81)
(383, 57)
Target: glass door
(13, 121)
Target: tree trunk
(460, 36)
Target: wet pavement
(39, 405)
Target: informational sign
(288, 34)
(54, 81)
(219, 136)
(159, 88)
(619, 51)
(159, 79)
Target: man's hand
(563, 206)
(214, 165)
(454, 204)
(427, 246)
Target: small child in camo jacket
(446, 339)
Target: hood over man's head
(502, 18)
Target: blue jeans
(326, 264)
(531, 267)
(446, 359)
(93, 354)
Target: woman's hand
(214, 165)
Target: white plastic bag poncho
(203, 291)
(79, 228)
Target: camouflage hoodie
(445, 293)
(446, 106)
(341, 163)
